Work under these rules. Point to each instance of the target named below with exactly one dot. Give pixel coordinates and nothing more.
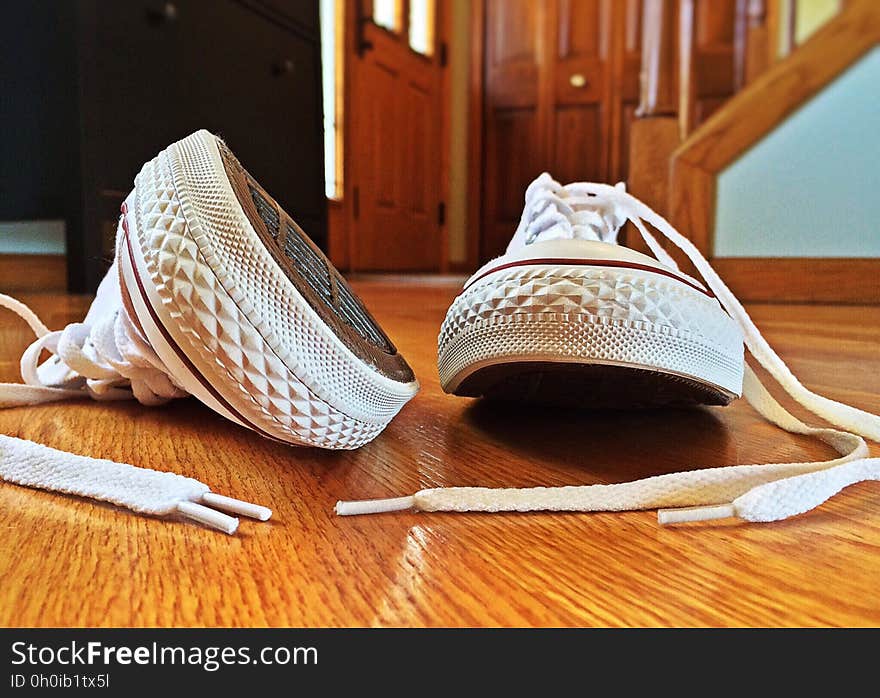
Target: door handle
(578, 80)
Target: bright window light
(328, 79)
(421, 26)
(386, 13)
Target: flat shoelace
(764, 492)
(105, 358)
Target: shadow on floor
(613, 445)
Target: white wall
(811, 188)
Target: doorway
(395, 151)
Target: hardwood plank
(64, 561)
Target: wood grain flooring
(65, 561)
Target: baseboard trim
(33, 272)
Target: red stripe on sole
(173, 344)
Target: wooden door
(560, 88)
(395, 139)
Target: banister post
(654, 132)
(657, 96)
(759, 40)
(686, 77)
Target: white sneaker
(568, 317)
(215, 292)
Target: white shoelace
(105, 357)
(766, 492)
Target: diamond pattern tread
(583, 315)
(304, 265)
(616, 294)
(221, 336)
(315, 346)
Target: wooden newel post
(686, 77)
(657, 78)
(655, 131)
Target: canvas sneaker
(569, 318)
(215, 292)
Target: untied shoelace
(105, 357)
(764, 492)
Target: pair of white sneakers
(216, 292)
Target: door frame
(475, 163)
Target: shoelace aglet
(237, 506)
(691, 514)
(209, 517)
(374, 506)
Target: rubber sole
(229, 322)
(599, 386)
(588, 335)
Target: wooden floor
(65, 561)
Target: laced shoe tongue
(595, 221)
(108, 300)
(565, 212)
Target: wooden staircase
(676, 154)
